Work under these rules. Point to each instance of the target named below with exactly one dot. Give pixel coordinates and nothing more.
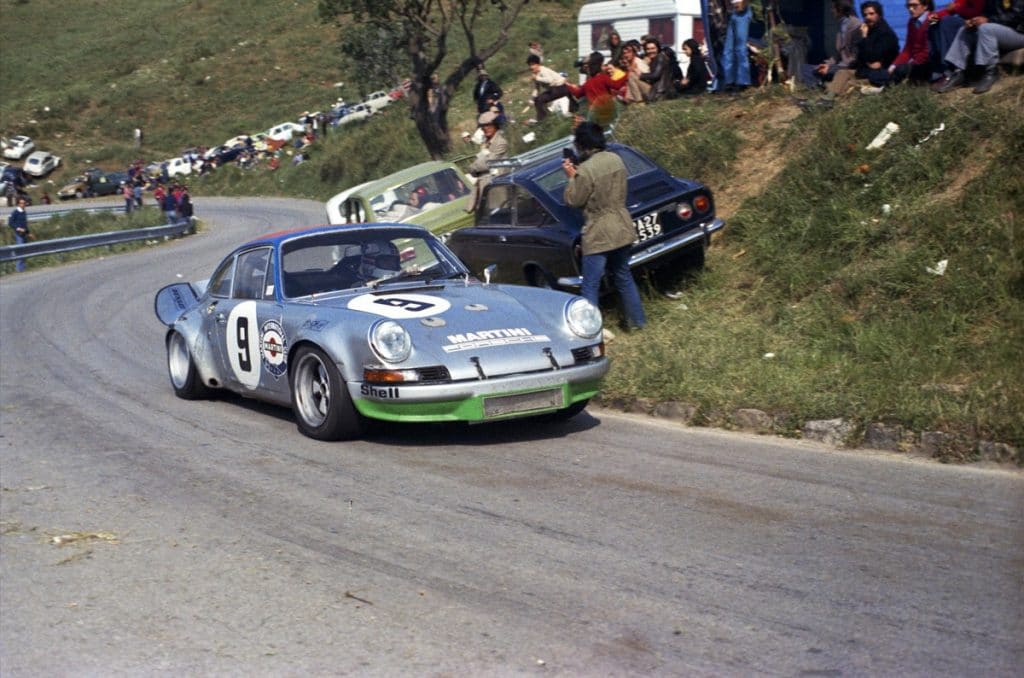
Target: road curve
(210, 538)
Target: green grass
(839, 291)
(810, 267)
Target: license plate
(647, 226)
(497, 406)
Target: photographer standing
(597, 185)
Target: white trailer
(671, 21)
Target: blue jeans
(985, 42)
(735, 62)
(172, 217)
(616, 263)
(19, 239)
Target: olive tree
(374, 33)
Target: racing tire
(320, 399)
(182, 370)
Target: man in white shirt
(548, 85)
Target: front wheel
(182, 370)
(320, 399)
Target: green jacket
(599, 189)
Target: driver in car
(380, 260)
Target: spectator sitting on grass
(659, 76)
(915, 59)
(696, 79)
(847, 37)
(878, 45)
(1000, 29)
(548, 86)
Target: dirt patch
(761, 123)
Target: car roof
(540, 166)
(278, 237)
(406, 175)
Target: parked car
(14, 175)
(176, 166)
(40, 163)
(377, 100)
(348, 323)
(17, 147)
(355, 114)
(224, 154)
(432, 194)
(524, 226)
(285, 131)
(94, 182)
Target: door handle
(220, 318)
(502, 238)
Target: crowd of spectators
(941, 49)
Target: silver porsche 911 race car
(382, 321)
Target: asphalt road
(213, 539)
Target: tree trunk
(431, 118)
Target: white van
(671, 21)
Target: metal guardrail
(37, 215)
(80, 242)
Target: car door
(516, 232)
(247, 326)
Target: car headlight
(583, 317)
(390, 341)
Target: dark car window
(220, 283)
(496, 207)
(251, 274)
(529, 212)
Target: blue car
(523, 225)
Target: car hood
(474, 330)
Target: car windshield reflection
(334, 262)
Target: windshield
(352, 258)
(419, 195)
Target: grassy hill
(817, 300)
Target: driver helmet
(380, 259)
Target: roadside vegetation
(824, 297)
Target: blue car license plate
(647, 226)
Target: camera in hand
(571, 155)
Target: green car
(433, 194)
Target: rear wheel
(182, 370)
(320, 399)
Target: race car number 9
(240, 330)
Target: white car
(357, 112)
(377, 100)
(40, 163)
(18, 147)
(285, 131)
(176, 166)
